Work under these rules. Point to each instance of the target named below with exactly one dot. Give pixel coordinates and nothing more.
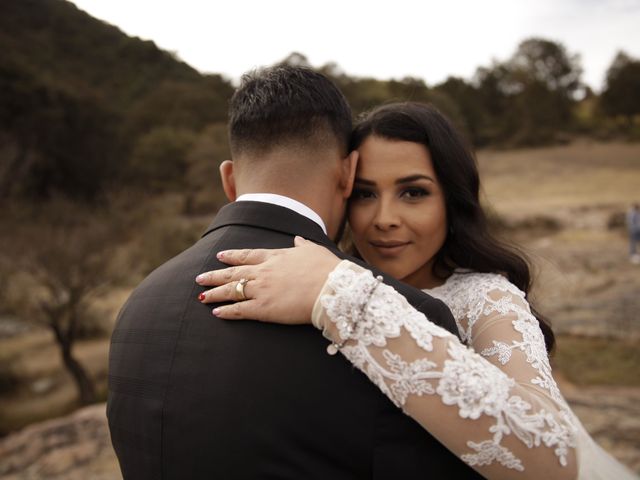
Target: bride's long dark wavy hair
(469, 244)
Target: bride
(415, 214)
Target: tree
(296, 59)
(159, 159)
(529, 98)
(547, 63)
(544, 81)
(55, 263)
(182, 105)
(494, 104)
(203, 191)
(468, 101)
(621, 95)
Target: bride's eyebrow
(364, 181)
(413, 178)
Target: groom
(192, 396)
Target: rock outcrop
(76, 447)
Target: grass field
(583, 176)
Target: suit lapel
(269, 217)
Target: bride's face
(397, 211)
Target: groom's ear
(348, 173)
(228, 181)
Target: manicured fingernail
(220, 255)
(201, 296)
(200, 278)
(215, 311)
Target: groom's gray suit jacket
(195, 397)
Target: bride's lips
(388, 248)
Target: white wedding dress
(491, 399)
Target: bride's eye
(361, 194)
(414, 193)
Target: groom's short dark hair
(288, 105)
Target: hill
(77, 94)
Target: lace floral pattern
(473, 297)
(415, 362)
(475, 390)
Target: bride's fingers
(227, 293)
(299, 241)
(239, 310)
(219, 277)
(246, 256)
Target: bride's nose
(387, 217)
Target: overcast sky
(382, 39)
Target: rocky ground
(612, 417)
(76, 447)
(585, 282)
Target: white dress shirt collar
(286, 202)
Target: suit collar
(286, 202)
(270, 217)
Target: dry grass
(598, 361)
(539, 181)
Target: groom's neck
(308, 193)
(310, 189)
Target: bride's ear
(228, 181)
(349, 165)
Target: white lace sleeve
(499, 411)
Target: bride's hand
(282, 285)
